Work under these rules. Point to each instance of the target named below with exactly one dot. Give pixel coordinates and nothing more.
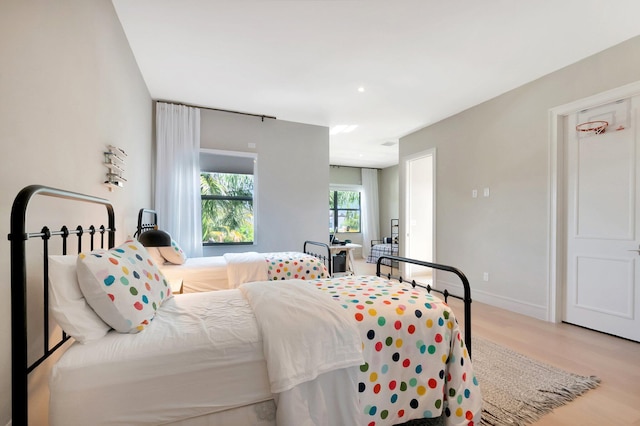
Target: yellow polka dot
(373, 312)
(459, 412)
(399, 343)
(444, 359)
(429, 323)
(373, 377)
(450, 325)
(421, 390)
(125, 270)
(399, 311)
(82, 255)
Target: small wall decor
(114, 161)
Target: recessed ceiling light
(342, 128)
(360, 89)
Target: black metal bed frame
(324, 253)
(142, 226)
(466, 298)
(20, 366)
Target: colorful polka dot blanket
(416, 363)
(293, 265)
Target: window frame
(333, 189)
(253, 200)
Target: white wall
(292, 177)
(503, 144)
(69, 86)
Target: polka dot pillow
(122, 285)
(173, 254)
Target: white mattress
(172, 369)
(199, 274)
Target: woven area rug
(517, 390)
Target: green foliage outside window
(227, 208)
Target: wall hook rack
(114, 160)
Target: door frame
(404, 201)
(557, 201)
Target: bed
(387, 246)
(231, 269)
(357, 350)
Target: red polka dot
(401, 413)
(376, 388)
(398, 325)
(406, 363)
(392, 385)
(432, 383)
(111, 297)
(464, 377)
(438, 338)
(359, 316)
(359, 306)
(138, 306)
(113, 260)
(379, 346)
(469, 415)
(411, 329)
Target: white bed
(200, 362)
(219, 272)
(322, 352)
(205, 359)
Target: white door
(602, 258)
(419, 208)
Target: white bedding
(199, 273)
(211, 352)
(245, 267)
(212, 273)
(202, 354)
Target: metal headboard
(324, 255)
(20, 367)
(142, 226)
(466, 298)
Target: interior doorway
(419, 210)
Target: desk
(336, 248)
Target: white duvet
(206, 353)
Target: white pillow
(155, 255)
(67, 304)
(123, 285)
(173, 254)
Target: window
(227, 194)
(344, 211)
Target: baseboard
(502, 302)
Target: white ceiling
(419, 61)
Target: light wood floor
(615, 361)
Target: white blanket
(304, 332)
(245, 267)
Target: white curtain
(370, 210)
(177, 193)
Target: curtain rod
(262, 116)
(354, 167)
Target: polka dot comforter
(417, 365)
(293, 265)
